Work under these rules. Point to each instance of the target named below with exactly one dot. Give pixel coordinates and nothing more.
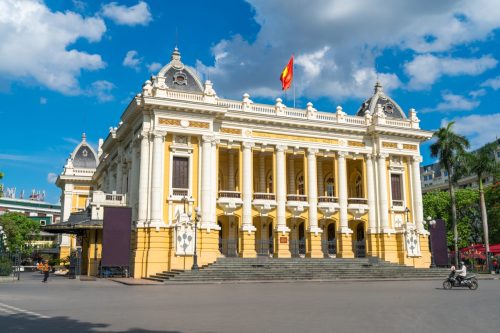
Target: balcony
(264, 202)
(101, 200)
(328, 205)
(180, 192)
(229, 201)
(357, 207)
(296, 204)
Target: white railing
(108, 199)
(184, 96)
(229, 194)
(264, 196)
(354, 120)
(357, 201)
(233, 105)
(398, 123)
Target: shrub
(5, 267)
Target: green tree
(449, 146)
(20, 231)
(437, 204)
(482, 163)
(492, 198)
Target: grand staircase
(269, 269)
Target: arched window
(300, 184)
(331, 232)
(356, 185)
(221, 181)
(329, 186)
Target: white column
(372, 221)
(418, 210)
(344, 228)
(143, 179)
(281, 190)
(206, 183)
(214, 178)
(134, 184)
(291, 175)
(321, 187)
(156, 177)
(382, 193)
(262, 173)
(312, 187)
(119, 171)
(247, 186)
(230, 171)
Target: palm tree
(449, 147)
(480, 163)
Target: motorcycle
(468, 282)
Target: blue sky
(68, 67)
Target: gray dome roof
(379, 98)
(179, 76)
(84, 155)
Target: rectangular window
(180, 174)
(397, 190)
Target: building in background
(36, 209)
(435, 178)
(268, 179)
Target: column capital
(281, 148)
(207, 138)
(369, 156)
(158, 134)
(248, 144)
(383, 155)
(417, 158)
(342, 154)
(312, 151)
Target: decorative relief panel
(199, 124)
(170, 122)
(412, 243)
(293, 137)
(184, 238)
(355, 143)
(234, 131)
(410, 147)
(386, 144)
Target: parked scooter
(467, 282)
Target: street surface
(74, 306)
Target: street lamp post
(431, 223)
(407, 212)
(195, 256)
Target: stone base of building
(314, 249)
(282, 245)
(247, 240)
(344, 249)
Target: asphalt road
(72, 306)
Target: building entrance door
(360, 243)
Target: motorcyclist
(462, 272)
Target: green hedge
(5, 267)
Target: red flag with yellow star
(287, 75)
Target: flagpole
(293, 85)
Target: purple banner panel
(439, 243)
(117, 226)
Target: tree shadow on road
(28, 324)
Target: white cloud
(154, 67)
(35, 44)
(492, 83)
(51, 177)
(477, 93)
(79, 5)
(426, 69)
(479, 129)
(452, 102)
(123, 15)
(131, 60)
(13, 157)
(43, 100)
(102, 90)
(337, 42)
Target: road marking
(9, 309)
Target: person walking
(45, 270)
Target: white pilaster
(230, 171)
(262, 173)
(206, 183)
(214, 178)
(344, 228)
(382, 193)
(247, 187)
(372, 220)
(156, 177)
(281, 190)
(291, 175)
(312, 181)
(143, 180)
(134, 184)
(321, 187)
(418, 213)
